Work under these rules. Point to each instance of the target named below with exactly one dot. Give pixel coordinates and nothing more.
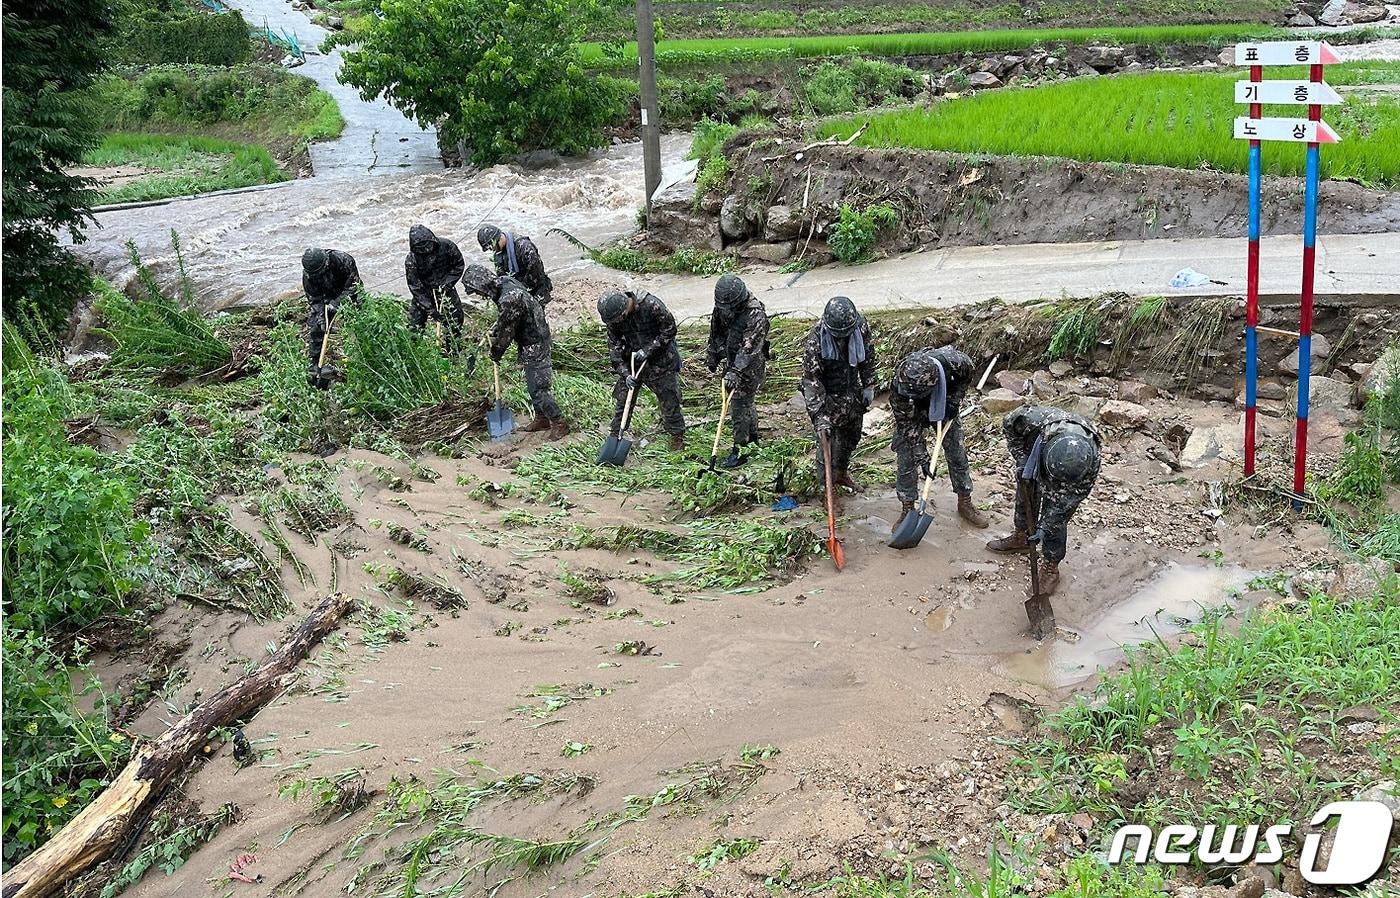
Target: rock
(1386, 793)
(1251, 887)
(1301, 20)
(335, 23)
(772, 253)
(1320, 350)
(1136, 391)
(781, 223)
(1223, 442)
(1227, 56)
(1379, 378)
(1015, 380)
(1346, 12)
(1103, 59)
(733, 218)
(1060, 368)
(983, 80)
(675, 223)
(1326, 394)
(1357, 579)
(1271, 390)
(1087, 406)
(1001, 400)
(1042, 384)
(1117, 413)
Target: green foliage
(1166, 118)
(171, 843)
(502, 76)
(722, 850)
(154, 33)
(185, 165)
(1077, 331)
(293, 413)
(855, 233)
(835, 87)
(709, 139)
(51, 57)
(686, 260)
(157, 333)
(389, 368)
(711, 176)
(1088, 877)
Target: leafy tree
(503, 76)
(51, 56)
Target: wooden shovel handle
(326, 340)
(631, 398)
(723, 413)
(933, 465)
(496, 369)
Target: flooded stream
(1167, 605)
(244, 248)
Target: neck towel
(938, 397)
(510, 254)
(855, 346)
(1032, 469)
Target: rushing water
(245, 248)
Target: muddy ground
(886, 689)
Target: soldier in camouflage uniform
(929, 386)
(432, 267)
(520, 320)
(739, 342)
(642, 331)
(1057, 456)
(516, 257)
(328, 278)
(838, 384)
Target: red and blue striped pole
(1251, 310)
(1300, 445)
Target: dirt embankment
(781, 199)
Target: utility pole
(651, 116)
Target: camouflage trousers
(539, 379)
(666, 387)
(910, 451)
(845, 436)
(316, 329)
(1053, 539)
(743, 415)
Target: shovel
(499, 421)
(833, 545)
(719, 426)
(912, 529)
(1038, 610)
(323, 382)
(614, 451)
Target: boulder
(1117, 413)
(1271, 390)
(1227, 56)
(1347, 12)
(1357, 579)
(335, 23)
(1000, 401)
(1136, 391)
(733, 218)
(1301, 20)
(1320, 350)
(1326, 394)
(1104, 59)
(781, 223)
(772, 253)
(1085, 406)
(1015, 380)
(1387, 793)
(983, 80)
(1379, 378)
(1210, 443)
(1060, 368)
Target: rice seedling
(1191, 348)
(1175, 119)
(1077, 331)
(180, 165)
(731, 50)
(722, 850)
(389, 369)
(557, 696)
(332, 797)
(156, 333)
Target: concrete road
(1348, 266)
(377, 138)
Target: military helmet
(315, 260)
(421, 240)
(730, 291)
(612, 308)
(918, 374)
(476, 279)
(1068, 457)
(840, 316)
(487, 235)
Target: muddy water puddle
(1173, 600)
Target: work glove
(731, 381)
(1035, 538)
(924, 466)
(868, 394)
(639, 358)
(630, 381)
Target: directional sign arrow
(1291, 130)
(1287, 93)
(1286, 53)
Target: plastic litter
(786, 503)
(1190, 277)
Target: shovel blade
(910, 531)
(1041, 616)
(614, 451)
(837, 552)
(500, 421)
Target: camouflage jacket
(650, 327)
(833, 388)
(435, 271)
(334, 283)
(529, 267)
(1028, 423)
(520, 320)
(739, 337)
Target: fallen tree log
(92, 835)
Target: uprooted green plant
(856, 231)
(389, 368)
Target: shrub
(854, 236)
(389, 368)
(711, 176)
(832, 88)
(183, 35)
(710, 137)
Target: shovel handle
(830, 487)
(933, 465)
(1033, 522)
(723, 413)
(631, 398)
(496, 370)
(326, 340)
